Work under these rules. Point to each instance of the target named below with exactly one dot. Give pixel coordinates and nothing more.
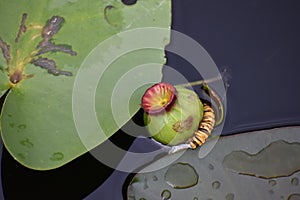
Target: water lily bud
(172, 113)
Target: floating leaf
(54, 44)
(221, 174)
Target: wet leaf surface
(217, 181)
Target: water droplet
(295, 181)
(216, 185)
(211, 167)
(166, 195)
(57, 156)
(294, 197)
(195, 198)
(272, 182)
(229, 196)
(154, 178)
(22, 126)
(272, 161)
(181, 175)
(26, 143)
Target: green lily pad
(98, 46)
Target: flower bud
(172, 114)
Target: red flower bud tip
(158, 98)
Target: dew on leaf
(295, 181)
(211, 167)
(216, 185)
(272, 182)
(166, 195)
(181, 175)
(229, 196)
(154, 178)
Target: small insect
(205, 127)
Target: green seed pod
(172, 114)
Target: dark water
(256, 41)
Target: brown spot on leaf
(5, 50)
(50, 47)
(22, 28)
(16, 77)
(178, 127)
(184, 125)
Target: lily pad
(262, 165)
(37, 123)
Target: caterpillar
(205, 127)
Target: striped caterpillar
(205, 127)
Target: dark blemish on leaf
(106, 9)
(52, 27)
(129, 2)
(50, 65)
(50, 47)
(57, 72)
(5, 50)
(181, 126)
(57, 156)
(188, 122)
(22, 28)
(26, 143)
(46, 45)
(177, 127)
(16, 77)
(44, 63)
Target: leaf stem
(201, 82)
